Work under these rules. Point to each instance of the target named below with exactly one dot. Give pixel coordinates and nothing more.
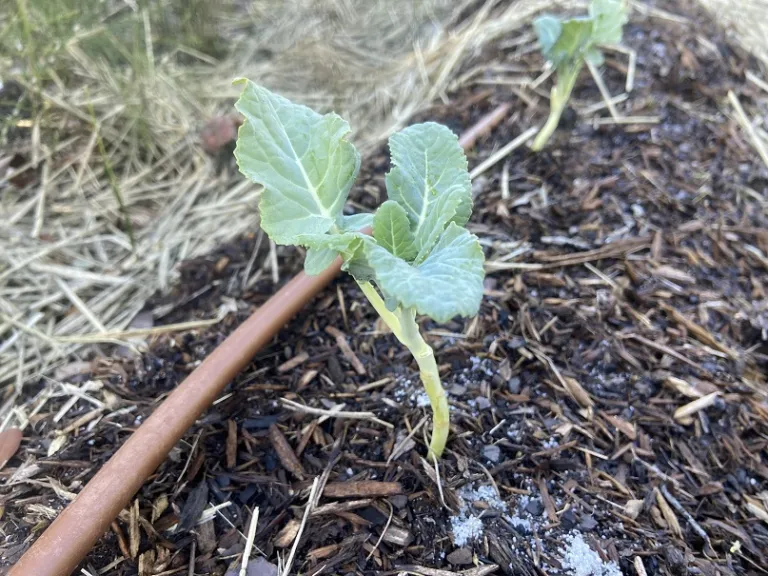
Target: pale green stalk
(559, 96)
(403, 324)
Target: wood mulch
(612, 391)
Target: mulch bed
(609, 408)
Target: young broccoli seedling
(567, 44)
(420, 259)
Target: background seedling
(420, 259)
(568, 44)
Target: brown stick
(362, 489)
(483, 126)
(70, 537)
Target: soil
(611, 392)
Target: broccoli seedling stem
(558, 100)
(403, 324)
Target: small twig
(376, 384)
(290, 404)
(383, 532)
(666, 350)
(629, 83)
(273, 262)
(694, 525)
(483, 126)
(756, 80)
(285, 453)
(249, 542)
(742, 118)
(607, 98)
(40, 211)
(251, 261)
(505, 181)
(503, 152)
(362, 489)
(437, 480)
(191, 571)
(396, 450)
(346, 350)
(139, 332)
(626, 120)
(307, 510)
(186, 464)
(80, 305)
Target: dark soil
(571, 392)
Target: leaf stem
(406, 330)
(559, 96)
(430, 377)
(381, 308)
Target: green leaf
(355, 222)
(449, 282)
(318, 259)
(391, 229)
(300, 157)
(322, 249)
(429, 179)
(609, 17)
(574, 40)
(548, 29)
(357, 263)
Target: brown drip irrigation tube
(71, 536)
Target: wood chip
(577, 392)
(639, 566)
(285, 453)
(193, 507)
(417, 569)
(362, 489)
(292, 363)
(121, 543)
(756, 508)
(700, 333)
(134, 536)
(633, 508)
(335, 507)
(341, 342)
(286, 536)
(398, 536)
(305, 379)
(206, 537)
(627, 428)
(10, 440)
(674, 274)
(549, 505)
(82, 421)
(668, 514)
(684, 413)
(682, 387)
(231, 449)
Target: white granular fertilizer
(580, 560)
(466, 528)
(466, 525)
